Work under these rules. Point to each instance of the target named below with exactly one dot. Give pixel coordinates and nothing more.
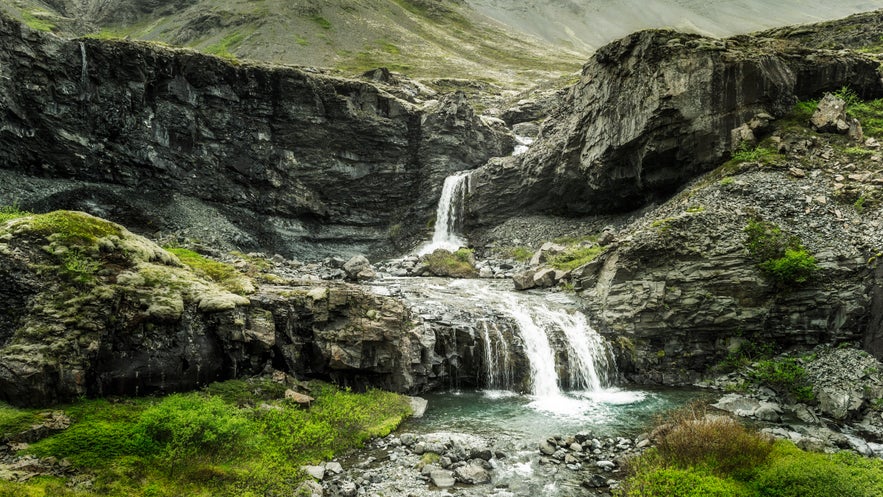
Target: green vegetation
(757, 154)
(747, 353)
(225, 47)
(36, 23)
(224, 274)
(74, 228)
(10, 212)
(702, 455)
(780, 256)
(237, 438)
(785, 376)
(804, 110)
(520, 254)
(460, 264)
(321, 21)
(575, 257)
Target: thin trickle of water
(448, 215)
(498, 367)
(84, 66)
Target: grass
(224, 274)
(10, 212)
(237, 438)
(757, 154)
(36, 23)
(520, 254)
(227, 44)
(321, 21)
(700, 455)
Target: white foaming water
(448, 215)
(523, 144)
(586, 353)
(544, 377)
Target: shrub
(780, 256)
(795, 473)
(757, 154)
(189, 425)
(691, 437)
(785, 376)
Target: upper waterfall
(448, 215)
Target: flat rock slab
(442, 478)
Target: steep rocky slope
(287, 159)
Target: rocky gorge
(692, 211)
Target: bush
(795, 473)
(780, 256)
(186, 426)
(722, 445)
(785, 376)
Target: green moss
(225, 47)
(14, 420)
(758, 154)
(692, 482)
(10, 212)
(224, 274)
(520, 254)
(321, 21)
(74, 228)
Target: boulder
(472, 474)
(442, 478)
(830, 116)
(524, 280)
(544, 278)
(298, 398)
(359, 268)
(317, 472)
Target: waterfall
(538, 349)
(586, 351)
(497, 362)
(447, 215)
(523, 143)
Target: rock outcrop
(652, 111)
(286, 159)
(88, 308)
(679, 289)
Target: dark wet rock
(279, 158)
(638, 126)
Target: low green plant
(14, 421)
(781, 256)
(676, 482)
(321, 21)
(792, 472)
(36, 23)
(575, 257)
(520, 254)
(221, 273)
(756, 154)
(10, 212)
(803, 111)
(859, 204)
(74, 228)
(726, 181)
(748, 352)
(786, 376)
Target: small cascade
(522, 144)
(448, 220)
(586, 351)
(497, 360)
(537, 348)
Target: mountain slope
(416, 37)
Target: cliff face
(289, 158)
(652, 111)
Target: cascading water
(523, 144)
(448, 219)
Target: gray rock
(605, 465)
(830, 116)
(442, 478)
(544, 278)
(547, 448)
(310, 489)
(348, 489)
(524, 280)
(472, 475)
(359, 268)
(418, 406)
(333, 467)
(317, 472)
